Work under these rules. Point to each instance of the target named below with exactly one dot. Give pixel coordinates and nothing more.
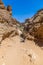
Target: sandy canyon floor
(14, 52)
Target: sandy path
(12, 52)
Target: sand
(14, 52)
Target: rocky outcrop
(9, 9)
(8, 25)
(33, 24)
(2, 5)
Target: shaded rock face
(9, 8)
(34, 25)
(39, 32)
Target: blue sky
(22, 9)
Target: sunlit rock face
(8, 25)
(2, 5)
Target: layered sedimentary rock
(8, 25)
(34, 24)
